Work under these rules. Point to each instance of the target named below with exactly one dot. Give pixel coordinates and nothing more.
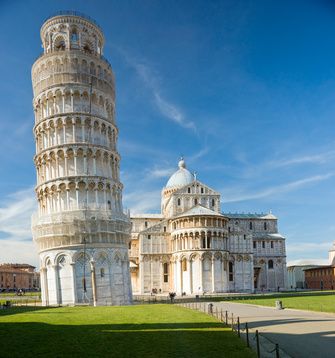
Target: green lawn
(133, 331)
(317, 302)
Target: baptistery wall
(80, 228)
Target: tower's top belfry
(70, 30)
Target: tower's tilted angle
(80, 229)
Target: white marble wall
(64, 271)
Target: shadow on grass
(24, 309)
(198, 339)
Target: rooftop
(73, 13)
(181, 177)
(249, 215)
(199, 210)
(146, 216)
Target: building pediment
(207, 190)
(157, 228)
(199, 210)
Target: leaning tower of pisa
(80, 229)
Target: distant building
(18, 276)
(194, 248)
(296, 275)
(320, 278)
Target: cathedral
(192, 247)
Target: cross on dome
(181, 163)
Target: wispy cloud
(315, 261)
(194, 157)
(15, 220)
(320, 158)
(161, 172)
(171, 111)
(308, 247)
(150, 79)
(15, 214)
(142, 201)
(238, 195)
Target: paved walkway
(302, 334)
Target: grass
(317, 302)
(13, 294)
(27, 298)
(133, 331)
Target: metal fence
(254, 339)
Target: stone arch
(84, 292)
(117, 257)
(59, 43)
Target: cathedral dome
(181, 177)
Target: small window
(184, 265)
(164, 228)
(263, 244)
(213, 202)
(129, 245)
(208, 242)
(149, 237)
(203, 243)
(146, 224)
(74, 36)
(109, 205)
(83, 281)
(202, 190)
(231, 272)
(189, 190)
(87, 48)
(166, 272)
(265, 225)
(244, 236)
(255, 244)
(178, 202)
(102, 272)
(270, 264)
(60, 44)
(229, 229)
(271, 244)
(250, 225)
(195, 201)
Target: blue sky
(245, 90)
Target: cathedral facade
(194, 248)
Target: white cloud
(15, 221)
(15, 214)
(150, 80)
(141, 201)
(318, 261)
(170, 111)
(308, 247)
(238, 195)
(194, 157)
(161, 172)
(17, 251)
(304, 159)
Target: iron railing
(73, 13)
